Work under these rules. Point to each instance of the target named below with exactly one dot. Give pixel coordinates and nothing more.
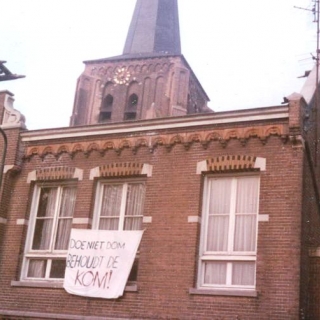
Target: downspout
(313, 175)
(4, 153)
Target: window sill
(132, 287)
(37, 284)
(224, 292)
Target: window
(229, 232)
(119, 206)
(49, 232)
(106, 109)
(131, 110)
(133, 101)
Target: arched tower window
(131, 108)
(133, 100)
(106, 108)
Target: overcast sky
(245, 53)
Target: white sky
(245, 53)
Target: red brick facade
(168, 255)
(144, 117)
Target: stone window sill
(224, 292)
(131, 287)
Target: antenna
(312, 10)
(315, 10)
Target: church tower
(151, 79)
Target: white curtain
(68, 201)
(44, 220)
(219, 214)
(246, 207)
(134, 206)
(246, 214)
(110, 208)
(111, 205)
(243, 273)
(220, 194)
(232, 202)
(37, 268)
(247, 194)
(245, 233)
(215, 273)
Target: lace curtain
(110, 208)
(134, 207)
(246, 214)
(242, 273)
(126, 197)
(219, 214)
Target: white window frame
(229, 256)
(98, 205)
(99, 195)
(51, 253)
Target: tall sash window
(119, 206)
(229, 232)
(49, 231)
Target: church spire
(154, 28)
(151, 79)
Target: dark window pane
(104, 116)
(42, 234)
(134, 271)
(108, 102)
(130, 115)
(58, 268)
(133, 101)
(47, 202)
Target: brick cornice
(204, 137)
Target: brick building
(228, 200)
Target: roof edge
(189, 121)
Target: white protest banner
(99, 262)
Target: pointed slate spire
(154, 28)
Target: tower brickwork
(151, 79)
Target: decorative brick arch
(204, 138)
(55, 173)
(121, 169)
(232, 163)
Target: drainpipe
(313, 175)
(4, 153)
